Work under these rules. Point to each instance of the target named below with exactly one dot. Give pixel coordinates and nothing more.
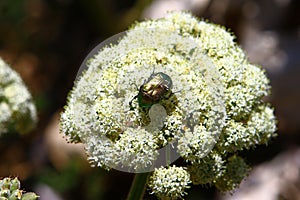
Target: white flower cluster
(17, 111)
(169, 183)
(215, 108)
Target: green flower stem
(138, 186)
(168, 156)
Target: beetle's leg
(167, 96)
(130, 103)
(176, 91)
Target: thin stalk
(168, 155)
(138, 187)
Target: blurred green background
(45, 41)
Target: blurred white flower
(17, 111)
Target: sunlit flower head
(167, 88)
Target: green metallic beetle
(157, 87)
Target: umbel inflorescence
(212, 110)
(17, 111)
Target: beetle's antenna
(137, 88)
(153, 70)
